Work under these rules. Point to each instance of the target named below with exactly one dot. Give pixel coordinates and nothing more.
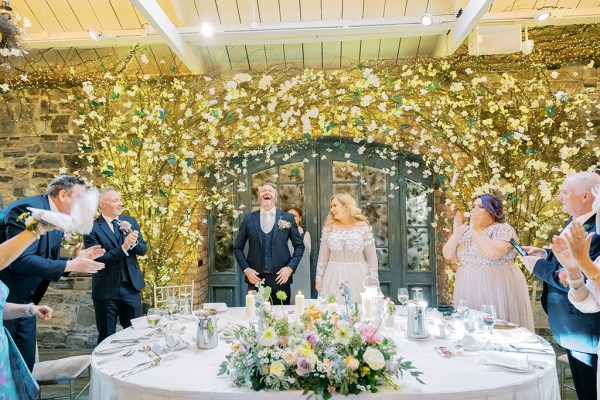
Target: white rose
(374, 359)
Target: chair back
(162, 293)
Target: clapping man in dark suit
(29, 275)
(572, 329)
(116, 289)
(267, 232)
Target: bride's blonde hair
(353, 211)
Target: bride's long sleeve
(323, 256)
(371, 252)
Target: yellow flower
(351, 362)
(277, 369)
(235, 346)
(364, 371)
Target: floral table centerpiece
(319, 352)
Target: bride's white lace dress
(346, 254)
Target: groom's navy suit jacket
(571, 328)
(106, 281)
(29, 275)
(251, 232)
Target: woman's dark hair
(298, 210)
(493, 205)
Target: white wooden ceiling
(252, 35)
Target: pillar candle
(366, 307)
(250, 306)
(299, 304)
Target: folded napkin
(140, 323)
(220, 307)
(515, 361)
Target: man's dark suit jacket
(251, 232)
(571, 328)
(29, 275)
(106, 281)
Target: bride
(347, 248)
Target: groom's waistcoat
(267, 240)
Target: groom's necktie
(117, 230)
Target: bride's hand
(318, 286)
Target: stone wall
(38, 140)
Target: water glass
(172, 335)
(462, 308)
(171, 304)
(185, 308)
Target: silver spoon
(124, 355)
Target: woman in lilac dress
(487, 272)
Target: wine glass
(403, 296)
(489, 316)
(171, 304)
(163, 321)
(152, 317)
(185, 307)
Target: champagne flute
(171, 304)
(403, 296)
(489, 316)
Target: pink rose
(371, 335)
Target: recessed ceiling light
(542, 16)
(94, 35)
(206, 30)
(427, 20)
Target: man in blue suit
(116, 290)
(267, 232)
(29, 275)
(572, 329)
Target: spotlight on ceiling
(543, 16)
(427, 20)
(94, 35)
(206, 30)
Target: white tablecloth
(192, 373)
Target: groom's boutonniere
(283, 224)
(124, 226)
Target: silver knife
(153, 363)
(124, 371)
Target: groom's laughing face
(267, 197)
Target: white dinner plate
(220, 307)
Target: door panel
(397, 201)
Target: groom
(268, 231)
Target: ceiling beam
(161, 23)
(303, 31)
(469, 18)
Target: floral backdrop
(172, 143)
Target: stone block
(49, 138)
(60, 147)
(82, 283)
(73, 162)
(13, 153)
(60, 124)
(47, 162)
(44, 175)
(86, 316)
(590, 77)
(21, 163)
(33, 149)
(18, 193)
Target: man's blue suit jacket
(29, 275)
(251, 232)
(106, 281)
(571, 328)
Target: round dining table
(192, 373)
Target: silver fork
(120, 356)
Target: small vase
(389, 321)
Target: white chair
(162, 293)
(564, 373)
(62, 372)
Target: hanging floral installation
(172, 144)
